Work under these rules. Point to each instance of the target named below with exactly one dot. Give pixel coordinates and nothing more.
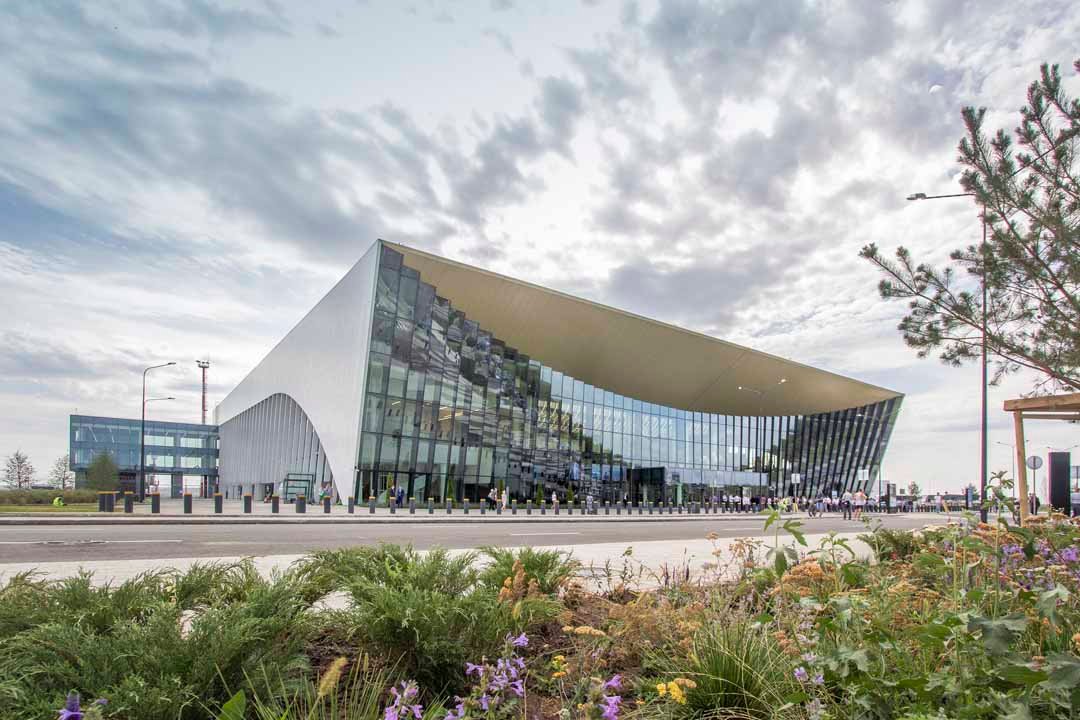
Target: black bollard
(187, 503)
(528, 507)
(371, 505)
(247, 503)
(412, 506)
(129, 503)
(301, 504)
(430, 506)
(218, 503)
(513, 507)
(543, 507)
(275, 504)
(326, 505)
(352, 505)
(393, 507)
(464, 506)
(102, 502)
(155, 503)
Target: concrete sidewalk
(645, 563)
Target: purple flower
(614, 682)
(819, 679)
(519, 641)
(470, 669)
(71, 709)
(809, 657)
(485, 701)
(611, 707)
(457, 713)
(518, 687)
(800, 674)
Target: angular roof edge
(636, 356)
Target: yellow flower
(558, 674)
(330, 678)
(661, 688)
(559, 658)
(676, 693)
(1076, 640)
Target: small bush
(160, 645)
(426, 612)
(45, 497)
(737, 671)
(549, 568)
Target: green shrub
(550, 568)
(426, 612)
(45, 497)
(159, 645)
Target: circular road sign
(1034, 462)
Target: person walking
(492, 497)
(845, 504)
(860, 504)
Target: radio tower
(203, 364)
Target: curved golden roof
(633, 355)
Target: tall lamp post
(141, 488)
(761, 409)
(983, 420)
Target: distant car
(42, 486)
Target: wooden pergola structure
(1048, 407)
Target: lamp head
(917, 196)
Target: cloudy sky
(186, 179)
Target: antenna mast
(203, 364)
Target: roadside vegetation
(964, 620)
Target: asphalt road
(69, 543)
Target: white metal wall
(314, 378)
(271, 439)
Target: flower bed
(957, 621)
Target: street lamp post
(983, 439)
(140, 490)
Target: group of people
(850, 504)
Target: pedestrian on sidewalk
(860, 503)
(554, 501)
(845, 504)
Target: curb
(93, 519)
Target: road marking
(542, 533)
(86, 542)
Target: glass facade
(173, 449)
(452, 411)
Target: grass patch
(73, 508)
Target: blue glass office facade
(178, 455)
(451, 411)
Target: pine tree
(1028, 192)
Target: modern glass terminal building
(446, 380)
(180, 457)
